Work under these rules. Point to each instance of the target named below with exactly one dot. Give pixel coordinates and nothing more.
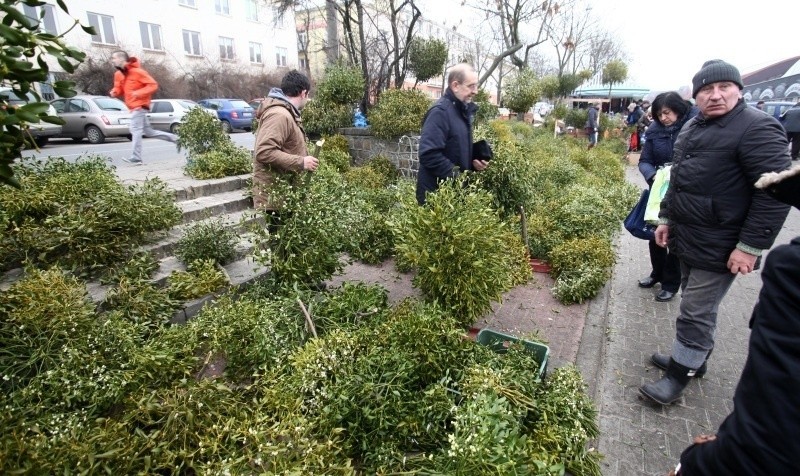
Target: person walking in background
(445, 145)
(712, 217)
(759, 437)
(670, 113)
(280, 145)
(791, 122)
(592, 124)
(634, 114)
(136, 87)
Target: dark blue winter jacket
(445, 143)
(657, 149)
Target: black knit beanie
(714, 71)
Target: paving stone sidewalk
(624, 327)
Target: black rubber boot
(671, 385)
(662, 361)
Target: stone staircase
(223, 199)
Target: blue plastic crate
(499, 342)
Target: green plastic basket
(499, 342)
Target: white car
(167, 114)
(40, 131)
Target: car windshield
(14, 99)
(239, 104)
(110, 104)
(188, 104)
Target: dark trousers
(794, 138)
(666, 267)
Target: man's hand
(662, 233)
(310, 163)
(741, 262)
(480, 164)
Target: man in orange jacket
(136, 87)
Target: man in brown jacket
(280, 141)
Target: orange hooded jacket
(136, 85)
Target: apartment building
(182, 34)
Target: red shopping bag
(634, 142)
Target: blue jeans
(702, 292)
(141, 126)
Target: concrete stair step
(212, 205)
(189, 189)
(166, 244)
(169, 264)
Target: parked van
(774, 108)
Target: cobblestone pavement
(623, 328)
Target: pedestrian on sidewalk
(670, 113)
(712, 217)
(791, 122)
(759, 437)
(592, 123)
(136, 87)
(280, 146)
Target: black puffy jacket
(711, 204)
(445, 142)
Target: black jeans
(794, 137)
(666, 267)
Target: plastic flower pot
(540, 266)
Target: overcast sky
(667, 41)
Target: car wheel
(226, 126)
(77, 139)
(174, 127)
(129, 137)
(41, 141)
(95, 135)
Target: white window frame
(222, 7)
(256, 53)
(102, 23)
(303, 64)
(227, 48)
(281, 55)
(188, 48)
(277, 20)
(187, 3)
(251, 9)
(43, 14)
(153, 41)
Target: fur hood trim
(771, 178)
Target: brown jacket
(279, 148)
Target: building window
(255, 53)
(223, 7)
(304, 64)
(151, 36)
(280, 56)
(191, 43)
(302, 40)
(277, 18)
(104, 26)
(44, 15)
(226, 48)
(252, 10)
(188, 3)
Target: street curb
(591, 350)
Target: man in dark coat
(445, 145)
(791, 122)
(712, 217)
(760, 436)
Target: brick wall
(401, 151)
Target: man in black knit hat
(712, 217)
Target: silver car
(41, 131)
(167, 114)
(93, 118)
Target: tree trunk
(332, 50)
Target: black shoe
(648, 282)
(662, 361)
(665, 296)
(671, 385)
